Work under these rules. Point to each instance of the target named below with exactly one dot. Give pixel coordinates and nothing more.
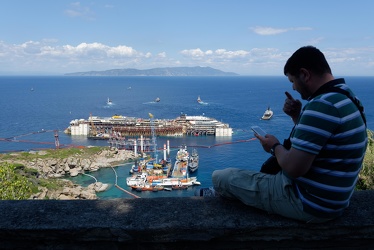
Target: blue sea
(33, 107)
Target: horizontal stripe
(336, 173)
(320, 208)
(326, 187)
(346, 147)
(322, 115)
(314, 130)
(350, 132)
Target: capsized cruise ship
(119, 126)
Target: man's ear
(304, 75)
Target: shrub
(366, 176)
(13, 186)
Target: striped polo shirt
(331, 127)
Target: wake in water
(201, 102)
(108, 106)
(150, 102)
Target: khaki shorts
(272, 193)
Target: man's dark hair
(307, 57)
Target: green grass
(52, 153)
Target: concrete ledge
(171, 223)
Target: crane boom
(153, 137)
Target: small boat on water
(137, 180)
(157, 99)
(182, 154)
(193, 161)
(176, 182)
(198, 99)
(267, 115)
(109, 102)
(181, 162)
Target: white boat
(181, 162)
(200, 101)
(193, 161)
(109, 102)
(174, 182)
(182, 154)
(137, 180)
(157, 99)
(268, 114)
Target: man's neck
(319, 81)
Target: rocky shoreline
(49, 168)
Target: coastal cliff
(57, 164)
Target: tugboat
(199, 100)
(193, 161)
(267, 115)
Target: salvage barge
(106, 127)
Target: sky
(248, 37)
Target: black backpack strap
(353, 99)
(331, 87)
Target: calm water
(239, 101)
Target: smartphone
(258, 130)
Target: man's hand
(292, 107)
(267, 141)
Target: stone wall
(176, 223)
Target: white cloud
(162, 55)
(77, 10)
(85, 56)
(195, 53)
(219, 53)
(315, 41)
(48, 56)
(267, 31)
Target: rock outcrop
(72, 166)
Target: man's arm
(292, 107)
(294, 162)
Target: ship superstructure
(120, 126)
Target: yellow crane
(93, 128)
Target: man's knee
(219, 173)
(215, 175)
(221, 176)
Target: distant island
(168, 71)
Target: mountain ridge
(167, 71)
